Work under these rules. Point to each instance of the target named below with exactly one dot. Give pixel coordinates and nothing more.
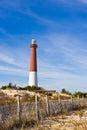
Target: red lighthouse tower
(33, 64)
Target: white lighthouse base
(33, 79)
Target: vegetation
(14, 124)
(9, 86)
(29, 88)
(76, 94)
(80, 94)
(32, 88)
(35, 89)
(65, 91)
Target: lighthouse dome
(33, 41)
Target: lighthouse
(33, 64)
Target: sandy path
(76, 120)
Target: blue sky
(60, 28)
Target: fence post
(72, 102)
(59, 99)
(83, 101)
(71, 99)
(60, 103)
(37, 108)
(78, 100)
(18, 107)
(47, 105)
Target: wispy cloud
(70, 47)
(54, 77)
(21, 7)
(10, 3)
(83, 1)
(8, 59)
(13, 71)
(39, 18)
(14, 54)
(69, 3)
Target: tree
(65, 91)
(10, 85)
(80, 94)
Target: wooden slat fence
(39, 109)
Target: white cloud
(39, 18)
(8, 59)
(13, 71)
(70, 3)
(10, 3)
(18, 51)
(71, 49)
(56, 78)
(83, 1)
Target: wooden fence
(39, 109)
